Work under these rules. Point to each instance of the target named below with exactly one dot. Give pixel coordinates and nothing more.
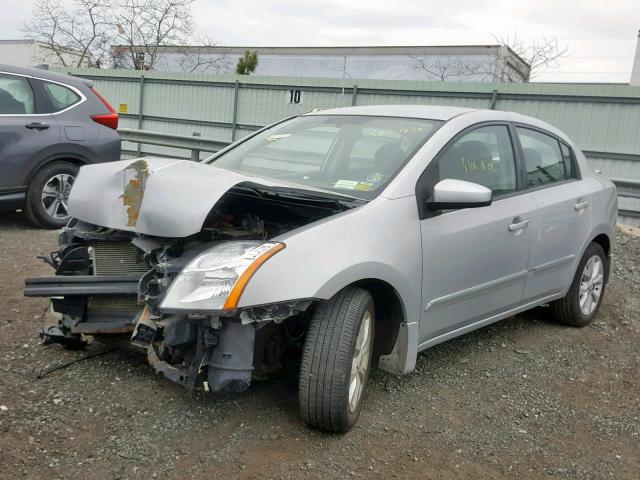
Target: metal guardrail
(628, 189)
(196, 144)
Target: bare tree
(78, 37)
(540, 54)
(82, 34)
(141, 27)
(445, 68)
(202, 57)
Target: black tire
(34, 208)
(567, 310)
(329, 349)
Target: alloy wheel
(591, 283)
(55, 195)
(360, 362)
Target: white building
(30, 53)
(452, 63)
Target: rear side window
(569, 163)
(16, 96)
(483, 156)
(60, 96)
(544, 160)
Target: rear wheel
(336, 361)
(48, 195)
(583, 300)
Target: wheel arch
(604, 241)
(389, 315)
(604, 236)
(74, 158)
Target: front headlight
(216, 278)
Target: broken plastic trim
(274, 312)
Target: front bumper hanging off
(215, 354)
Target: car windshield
(351, 155)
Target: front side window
(543, 158)
(61, 97)
(353, 155)
(483, 156)
(16, 96)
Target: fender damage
(136, 225)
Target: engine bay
(110, 284)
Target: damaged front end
(176, 298)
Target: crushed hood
(154, 196)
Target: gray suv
(50, 125)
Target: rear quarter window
(59, 96)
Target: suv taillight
(107, 119)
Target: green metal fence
(604, 120)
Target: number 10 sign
(294, 96)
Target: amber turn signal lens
(241, 283)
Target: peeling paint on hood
(155, 196)
(135, 181)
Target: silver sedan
(333, 239)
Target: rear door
(26, 136)
(563, 208)
(474, 259)
(60, 99)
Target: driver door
(474, 259)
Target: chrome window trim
(82, 96)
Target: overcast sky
(601, 34)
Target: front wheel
(336, 361)
(583, 300)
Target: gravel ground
(525, 398)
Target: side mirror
(454, 194)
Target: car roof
(409, 111)
(443, 113)
(45, 75)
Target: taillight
(107, 119)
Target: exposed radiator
(117, 258)
(113, 304)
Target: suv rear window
(60, 96)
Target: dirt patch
(525, 398)
(631, 230)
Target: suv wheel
(583, 300)
(48, 195)
(336, 360)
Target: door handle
(37, 126)
(581, 205)
(518, 225)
